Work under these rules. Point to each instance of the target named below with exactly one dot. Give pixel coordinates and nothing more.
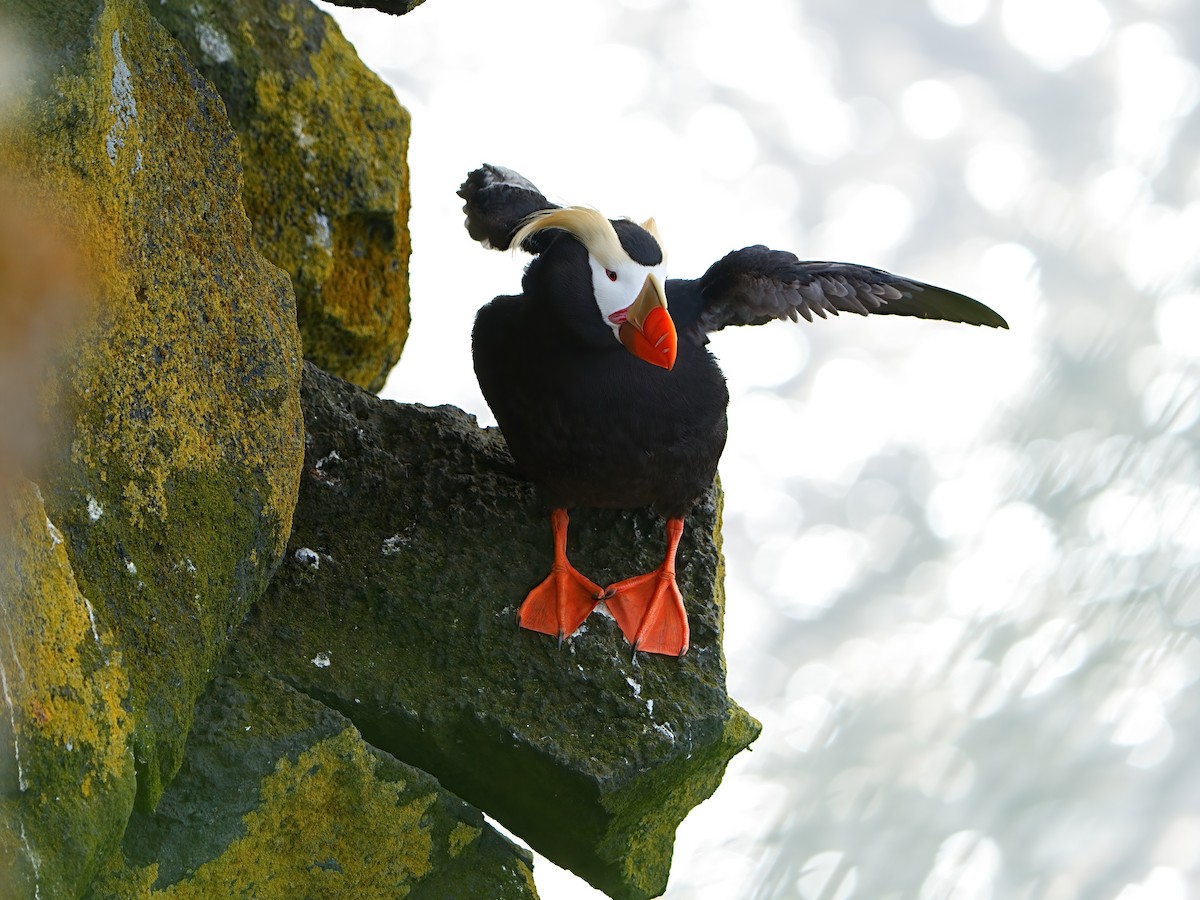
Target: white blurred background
(963, 565)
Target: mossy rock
(178, 437)
(280, 797)
(66, 769)
(413, 543)
(324, 142)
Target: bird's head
(628, 274)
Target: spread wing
(755, 285)
(498, 201)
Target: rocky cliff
(257, 626)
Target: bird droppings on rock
(55, 535)
(331, 456)
(123, 106)
(320, 236)
(91, 613)
(213, 43)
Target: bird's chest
(613, 430)
(629, 405)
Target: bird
(602, 383)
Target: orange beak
(648, 332)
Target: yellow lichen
(166, 308)
(246, 30)
(179, 399)
(118, 878)
(327, 190)
(526, 874)
(461, 835)
(179, 406)
(270, 90)
(326, 826)
(326, 178)
(64, 680)
(66, 692)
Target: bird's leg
(649, 608)
(565, 598)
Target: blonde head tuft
(590, 226)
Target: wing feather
(498, 200)
(756, 284)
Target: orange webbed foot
(559, 605)
(649, 608)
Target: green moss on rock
(180, 436)
(279, 797)
(325, 145)
(425, 542)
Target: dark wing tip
(950, 306)
(489, 176)
(497, 201)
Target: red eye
(612, 276)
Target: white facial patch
(613, 297)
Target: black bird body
(584, 419)
(601, 380)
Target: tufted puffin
(600, 379)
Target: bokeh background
(963, 566)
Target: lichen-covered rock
(412, 545)
(178, 435)
(69, 783)
(279, 797)
(324, 143)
